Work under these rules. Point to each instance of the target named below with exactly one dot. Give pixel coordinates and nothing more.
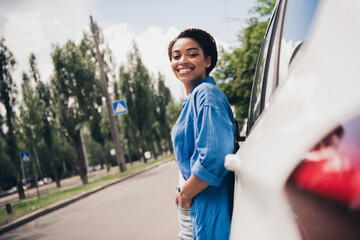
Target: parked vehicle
(3, 193)
(298, 170)
(31, 182)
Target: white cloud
(23, 34)
(32, 27)
(119, 38)
(33, 31)
(152, 43)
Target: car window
(259, 77)
(299, 15)
(263, 82)
(271, 81)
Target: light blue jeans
(185, 232)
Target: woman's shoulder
(206, 89)
(209, 94)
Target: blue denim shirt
(202, 136)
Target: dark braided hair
(204, 39)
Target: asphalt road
(141, 207)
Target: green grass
(24, 207)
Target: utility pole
(113, 125)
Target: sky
(35, 26)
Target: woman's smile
(184, 70)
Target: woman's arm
(191, 188)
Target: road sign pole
(113, 125)
(22, 169)
(35, 177)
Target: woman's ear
(208, 61)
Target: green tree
(7, 98)
(30, 123)
(7, 171)
(173, 111)
(236, 69)
(263, 8)
(35, 117)
(48, 125)
(64, 154)
(163, 98)
(128, 129)
(76, 89)
(35, 75)
(136, 87)
(100, 133)
(151, 128)
(97, 135)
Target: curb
(41, 212)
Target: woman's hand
(183, 201)
(192, 187)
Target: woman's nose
(183, 60)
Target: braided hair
(204, 39)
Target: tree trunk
(13, 150)
(129, 152)
(49, 143)
(64, 167)
(35, 175)
(151, 143)
(53, 163)
(105, 158)
(128, 144)
(170, 144)
(37, 163)
(167, 138)
(80, 157)
(142, 147)
(160, 149)
(17, 168)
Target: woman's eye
(193, 54)
(176, 57)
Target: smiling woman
(202, 136)
(189, 63)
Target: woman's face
(188, 62)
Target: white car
(298, 169)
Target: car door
(263, 164)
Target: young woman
(202, 136)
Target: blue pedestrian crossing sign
(119, 107)
(25, 157)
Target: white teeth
(184, 70)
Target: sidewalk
(66, 183)
(25, 219)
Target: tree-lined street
(141, 207)
(61, 122)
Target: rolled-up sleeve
(214, 140)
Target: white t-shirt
(181, 180)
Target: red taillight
(340, 186)
(332, 168)
(324, 189)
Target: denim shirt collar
(207, 79)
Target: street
(141, 207)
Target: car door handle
(232, 162)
